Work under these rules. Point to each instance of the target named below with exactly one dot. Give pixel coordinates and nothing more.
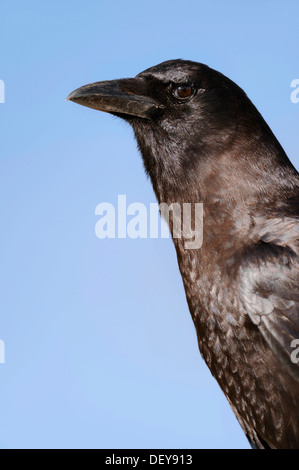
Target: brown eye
(183, 91)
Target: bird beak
(125, 97)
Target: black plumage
(202, 140)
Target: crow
(203, 141)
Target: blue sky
(100, 347)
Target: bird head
(192, 124)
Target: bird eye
(183, 91)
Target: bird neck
(250, 167)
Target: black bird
(202, 140)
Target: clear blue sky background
(100, 347)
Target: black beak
(120, 97)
